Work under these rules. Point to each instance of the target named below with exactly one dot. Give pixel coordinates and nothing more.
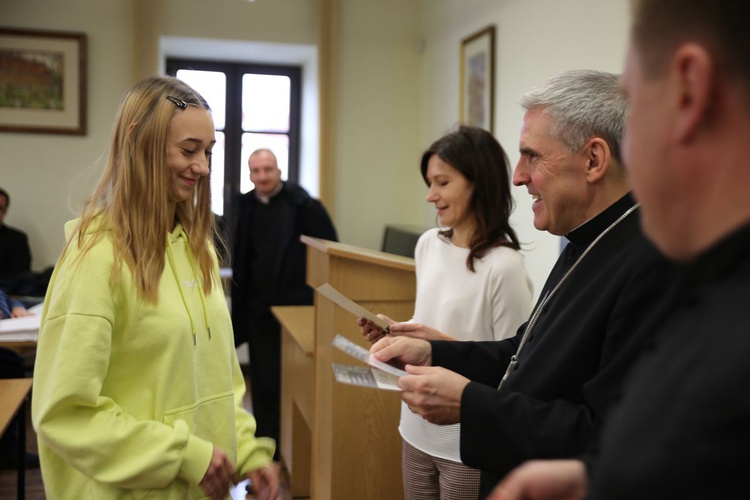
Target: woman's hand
(265, 482)
(370, 331)
(417, 331)
(373, 333)
(220, 476)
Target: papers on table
(378, 375)
(24, 329)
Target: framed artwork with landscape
(478, 79)
(42, 81)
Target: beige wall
(389, 99)
(376, 135)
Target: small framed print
(478, 79)
(42, 82)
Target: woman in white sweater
(471, 285)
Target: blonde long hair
(132, 196)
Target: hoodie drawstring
(200, 292)
(172, 264)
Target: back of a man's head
(583, 104)
(721, 26)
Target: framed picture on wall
(478, 79)
(42, 82)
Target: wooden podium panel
(356, 447)
(297, 391)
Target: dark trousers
(264, 342)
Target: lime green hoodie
(130, 397)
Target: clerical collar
(267, 199)
(586, 232)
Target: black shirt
(683, 428)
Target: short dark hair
(659, 26)
(481, 159)
(3, 192)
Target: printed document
(378, 375)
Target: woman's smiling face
(451, 193)
(190, 140)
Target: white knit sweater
(488, 304)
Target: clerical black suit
(269, 269)
(572, 366)
(683, 428)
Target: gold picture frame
(477, 87)
(42, 81)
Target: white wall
(377, 138)
(276, 21)
(535, 39)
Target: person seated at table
(15, 255)
(11, 366)
(11, 308)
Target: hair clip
(177, 102)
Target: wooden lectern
(355, 447)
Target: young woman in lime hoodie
(137, 388)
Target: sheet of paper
(22, 329)
(362, 354)
(365, 377)
(351, 306)
(20, 325)
(378, 375)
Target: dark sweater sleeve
(483, 362)
(493, 421)
(501, 429)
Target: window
(254, 106)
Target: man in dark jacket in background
(269, 269)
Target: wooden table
(20, 347)
(13, 396)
